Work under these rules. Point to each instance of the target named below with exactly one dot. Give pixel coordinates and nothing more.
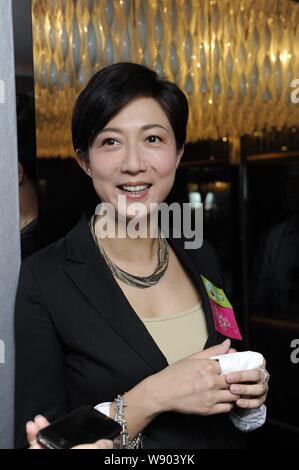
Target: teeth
(134, 189)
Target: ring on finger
(265, 376)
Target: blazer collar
(88, 270)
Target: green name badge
(216, 294)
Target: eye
(109, 141)
(154, 139)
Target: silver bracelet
(123, 441)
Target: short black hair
(26, 134)
(112, 88)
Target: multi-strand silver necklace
(137, 281)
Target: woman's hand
(194, 385)
(101, 444)
(40, 422)
(32, 430)
(251, 386)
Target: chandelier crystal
(234, 59)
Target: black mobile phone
(82, 426)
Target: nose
(133, 161)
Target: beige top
(181, 335)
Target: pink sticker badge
(225, 321)
(223, 313)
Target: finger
(255, 390)
(101, 444)
(215, 382)
(251, 403)
(219, 383)
(255, 375)
(104, 444)
(41, 422)
(221, 408)
(217, 350)
(85, 446)
(225, 396)
(32, 431)
(232, 350)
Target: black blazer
(79, 341)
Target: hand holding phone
(84, 425)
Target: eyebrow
(144, 128)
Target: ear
(179, 155)
(21, 173)
(83, 163)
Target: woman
(98, 320)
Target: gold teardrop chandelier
(235, 59)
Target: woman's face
(134, 156)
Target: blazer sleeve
(40, 375)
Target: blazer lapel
(87, 269)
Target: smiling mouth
(134, 189)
